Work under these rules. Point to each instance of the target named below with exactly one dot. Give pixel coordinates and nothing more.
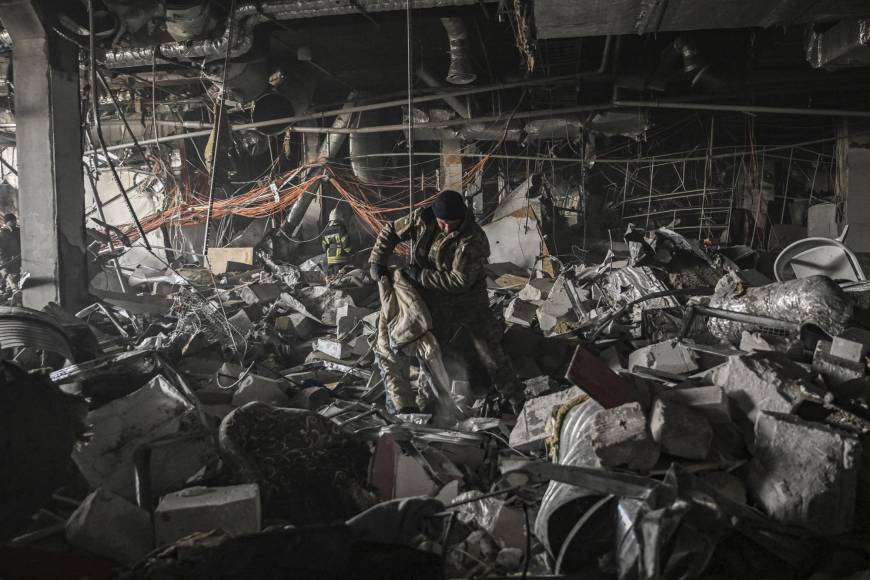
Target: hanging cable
(96, 106)
(217, 133)
(409, 32)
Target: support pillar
(853, 184)
(51, 183)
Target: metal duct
(187, 20)
(846, 44)
(26, 328)
(454, 102)
(247, 16)
(460, 72)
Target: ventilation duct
(188, 20)
(246, 16)
(460, 72)
(846, 44)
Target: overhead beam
(50, 179)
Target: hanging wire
(409, 33)
(217, 133)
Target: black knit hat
(449, 205)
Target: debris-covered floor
(684, 416)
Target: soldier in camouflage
(450, 250)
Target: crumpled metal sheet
(815, 300)
(632, 283)
(575, 448)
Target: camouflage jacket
(451, 263)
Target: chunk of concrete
(530, 430)
(110, 526)
(260, 293)
(520, 312)
(303, 326)
(256, 388)
(332, 348)
(852, 344)
(669, 356)
(154, 412)
(755, 342)
(835, 370)
(804, 473)
(764, 381)
(556, 315)
(537, 386)
(348, 316)
(680, 431)
(234, 509)
(536, 290)
(712, 402)
(620, 437)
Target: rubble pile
(683, 417)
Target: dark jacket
(452, 264)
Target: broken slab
(556, 315)
(835, 370)
(755, 342)
(727, 484)
(156, 411)
(219, 257)
(670, 356)
(620, 437)
(530, 431)
(332, 348)
(520, 312)
(537, 386)
(536, 290)
(852, 344)
(107, 525)
(259, 293)
(804, 473)
(712, 402)
(234, 509)
(348, 316)
(765, 381)
(681, 431)
(256, 388)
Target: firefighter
(336, 243)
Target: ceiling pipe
(741, 108)
(248, 15)
(461, 71)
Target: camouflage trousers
(485, 332)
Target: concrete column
(451, 162)
(853, 184)
(51, 183)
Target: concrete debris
(620, 437)
(709, 401)
(520, 312)
(259, 378)
(804, 473)
(536, 290)
(531, 428)
(765, 381)
(681, 431)
(108, 525)
(669, 356)
(234, 509)
(834, 369)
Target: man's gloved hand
(376, 271)
(397, 521)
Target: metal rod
(218, 119)
(741, 108)
(96, 111)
